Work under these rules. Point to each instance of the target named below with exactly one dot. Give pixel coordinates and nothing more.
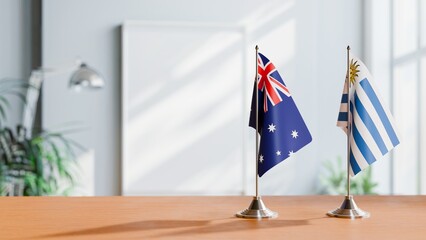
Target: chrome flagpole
(257, 121)
(257, 208)
(348, 209)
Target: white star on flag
(272, 127)
(290, 153)
(278, 153)
(294, 134)
(261, 159)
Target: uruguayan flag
(372, 129)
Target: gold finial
(257, 47)
(349, 48)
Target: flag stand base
(349, 209)
(257, 209)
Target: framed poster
(184, 94)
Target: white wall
(306, 39)
(15, 48)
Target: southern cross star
(294, 134)
(272, 127)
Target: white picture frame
(184, 116)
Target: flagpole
(348, 209)
(257, 208)
(349, 127)
(257, 123)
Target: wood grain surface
(300, 217)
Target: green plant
(33, 166)
(335, 177)
(41, 165)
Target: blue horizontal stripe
(380, 111)
(344, 98)
(343, 116)
(362, 145)
(368, 122)
(354, 165)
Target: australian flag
(281, 127)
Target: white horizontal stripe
(342, 123)
(366, 135)
(343, 107)
(387, 111)
(365, 73)
(374, 116)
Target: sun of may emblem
(353, 70)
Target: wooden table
(300, 217)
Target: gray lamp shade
(86, 77)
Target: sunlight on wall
(85, 186)
(405, 33)
(266, 13)
(197, 57)
(406, 118)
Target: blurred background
(172, 115)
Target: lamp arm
(32, 98)
(49, 71)
(33, 93)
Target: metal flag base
(349, 209)
(257, 209)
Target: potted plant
(32, 166)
